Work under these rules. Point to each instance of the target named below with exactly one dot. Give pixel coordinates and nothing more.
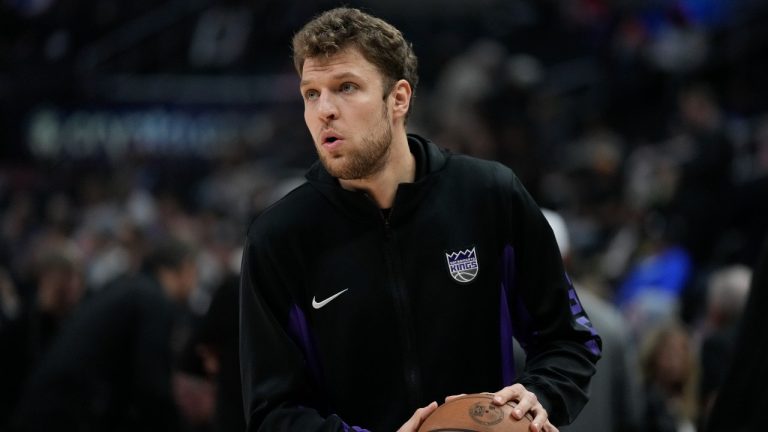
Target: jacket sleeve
(561, 344)
(278, 389)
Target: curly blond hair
(378, 41)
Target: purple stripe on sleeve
(580, 317)
(575, 303)
(593, 347)
(591, 344)
(348, 428)
(299, 329)
(522, 322)
(508, 372)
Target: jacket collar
(430, 161)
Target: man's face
(60, 290)
(347, 114)
(187, 278)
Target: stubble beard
(365, 161)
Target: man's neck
(400, 167)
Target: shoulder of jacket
(481, 170)
(287, 212)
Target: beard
(367, 159)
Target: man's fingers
(524, 399)
(526, 402)
(426, 411)
(529, 403)
(413, 423)
(540, 421)
(421, 414)
(549, 427)
(511, 393)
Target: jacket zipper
(405, 321)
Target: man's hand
(418, 417)
(526, 402)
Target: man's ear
(401, 95)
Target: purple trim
(574, 300)
(299, 329)
(348, 428)
(508, 372)
(593, 347)
(580, 316)
(591, 344)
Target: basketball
(475, 413)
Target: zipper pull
(387, 227)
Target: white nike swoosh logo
(317, 305)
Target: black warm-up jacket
(353, 317)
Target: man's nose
(327, 107)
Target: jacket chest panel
(346, 284)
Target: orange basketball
(475, 413)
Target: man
(59, 287)
(110, 367)
(727, 293)
(740, 402)
(398, 274)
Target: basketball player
(398, 274)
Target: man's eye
(311, 94)
(348, 87)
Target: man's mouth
(331, 140)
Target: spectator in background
(10, 304)
(213, 350)
(110, 367)
(652, 289)
(668, 368)
(25, 339)
(750, 209)
(727, 293)
(740, 403)
(212, 355)
(705, 155)
(466, 81)
(614, 394)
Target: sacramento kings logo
(463, 265)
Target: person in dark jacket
(740, 403)
(211, 355)
(59, 288)
(110, 366)
(398, 274)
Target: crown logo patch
(462, 265)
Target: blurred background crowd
(643, 124)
